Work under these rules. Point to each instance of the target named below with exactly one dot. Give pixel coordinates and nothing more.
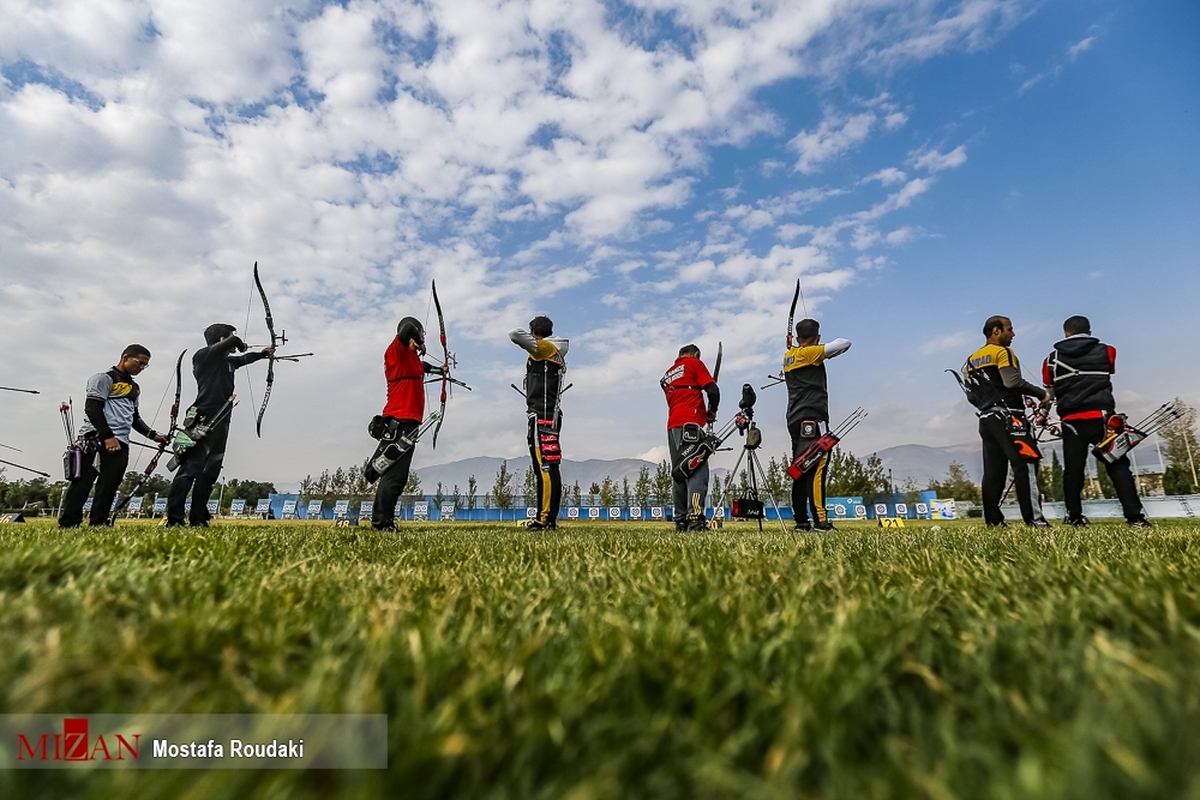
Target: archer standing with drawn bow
(200, 443)
(399, 426)
(111, 413)
(544, 370)
(808, 416)
(685, 385)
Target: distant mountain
(923, 463)
(919, 462)
(484, 468)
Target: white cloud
(1080, 47)
(517, 152)
(933, 161)
(833, 137)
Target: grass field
(625, 660)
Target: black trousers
(1078, 438)
(809, 489)
(107, 480)
(392, 483)
(1000, 453)
(547, 477)
(198, 474)
(689, 496)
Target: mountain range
(917, 462)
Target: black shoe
(173, 523)
(201, 524)
(1000, 524)
(1077, 522)
(534, 525)
(803, 527)
(698, 524)
(1037, 523)
(823, 526)
(384, 528)
(1140, 522)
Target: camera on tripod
(749, 506)
(745, 415)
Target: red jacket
(405, 373)
(683, 385)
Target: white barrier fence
(1179, 506)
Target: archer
(200, 443)
(111, 413)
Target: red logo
(76, 744)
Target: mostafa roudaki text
(236, 749)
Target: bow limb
(271, 358)
(445, 361)
(792, 315)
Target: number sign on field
(314, 509)
(447, 510)
(263, 506)
(421, 511)
(237, 507)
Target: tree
(502, 494)
(642, 489)
(528, 486)
(1050, 478)
(850, 477)
(957, 485)
(457, 497)
(1107, 489)
(472, 488)
(626, 493)
(413, 486)
(439, 496)
(779, 483)
(663, 485)
(250, 491)
(593, 493)
(1182, 453)
(575, 494)
(608, 493)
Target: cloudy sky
(647, 173)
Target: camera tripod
(751, 507)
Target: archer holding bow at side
(112, 413)
(200, 442)
(686, 384)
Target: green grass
(624, 660)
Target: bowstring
(246, 331)
(154, 419)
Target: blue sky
(648, 174)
